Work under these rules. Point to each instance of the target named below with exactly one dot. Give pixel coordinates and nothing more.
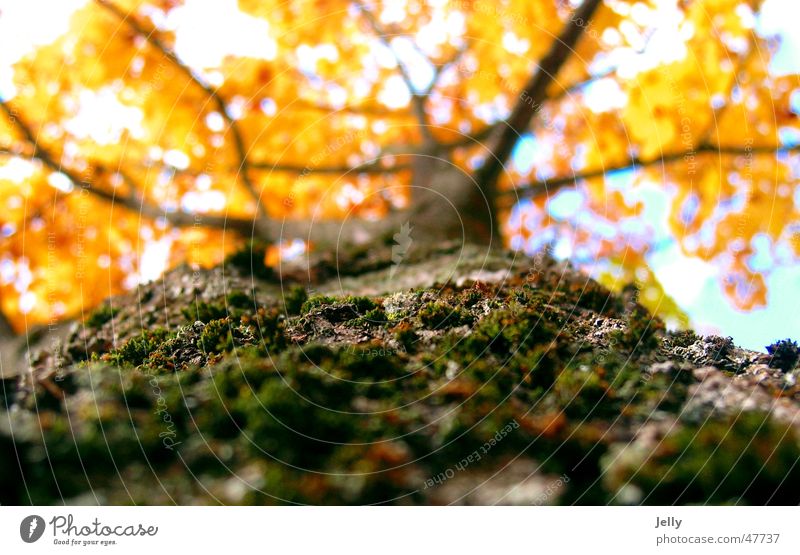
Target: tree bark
(6, 329)
(448, 204)
(9, 344)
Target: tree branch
(533, 96)
(417, 99)
(212, 93)
(349, 109)
(321, 232)
(549, 186)
(180, 219)
(43, 155)
(439, 69)
(492, 128)
(371, 167)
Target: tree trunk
(9, 346)
(448, 204)
(6, 331)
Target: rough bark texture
(423, 375)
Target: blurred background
(666, 153)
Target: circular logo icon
(31, 528)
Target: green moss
(642, 332)
(373, 317)
(583, 392)
(202, 311)
(438, 314)
(101, 315)
(239, 299)
(220, 336)
(376, 316)
(374, 393)
(269, 328)
(315, 302)
(472, 296)
(216, 336)
(506, 331)
(590, 295)
(283, 425)
(744, 459)
(294, 299)
(405, 336)
(683, 338)
(137, 349)
(355, 311)
(362, 304)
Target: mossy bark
(447, 375)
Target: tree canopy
(117, 142)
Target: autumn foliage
(114, 144)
